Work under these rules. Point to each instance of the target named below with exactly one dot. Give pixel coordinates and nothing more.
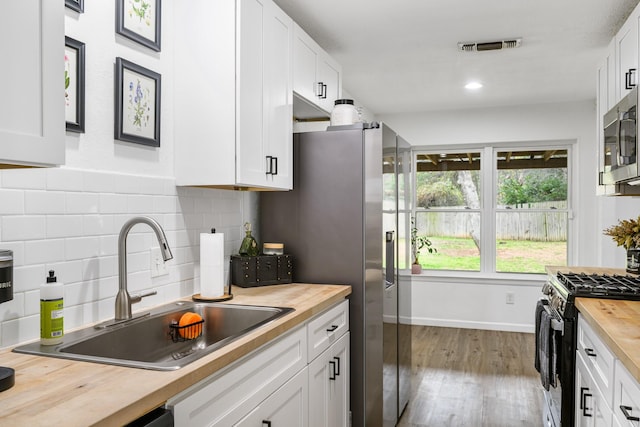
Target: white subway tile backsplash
(103, 266)
(139, 204)
(44, 202)
(82, 203)
(42, 251)
(112, 203)
(78, 248)
(28, 278)
(98, 182)
(11, 202)
(69, 220)
(66, 272)
(64, 179)
(24, 178)
(23, 228)
(98, 225)
(64, 226)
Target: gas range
(563, 288)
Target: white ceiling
(401, 55)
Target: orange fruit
(190, 332)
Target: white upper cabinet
(627, 55)
(32, 123)
(234, 95)
(317, 78)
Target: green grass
(514, 256)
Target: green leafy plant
(626, 233)
(419, 243)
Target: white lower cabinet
(626, 397)
(329, 386)
(606, 394)
(274, 386)
(286, 407)
(591, 408)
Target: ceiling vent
(496, 45)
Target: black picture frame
(74, 56)
(77, 5)
(148, 14)
(137, 104)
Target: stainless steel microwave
(620, 142)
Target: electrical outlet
(158, 266)
(511, 298)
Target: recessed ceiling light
(473, 85)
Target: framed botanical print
(74, 59)
(139, 20)
(77, 5)
(137, 109)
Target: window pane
(448, 180)
(455, 235)
(532, 179)
(527, 241)
(529, 180)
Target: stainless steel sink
(147, 342)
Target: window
(494, 209)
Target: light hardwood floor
(468, 377)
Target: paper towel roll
(211, 265)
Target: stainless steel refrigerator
(341, 225)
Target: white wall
(68, 219)
(469, 302)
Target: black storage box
(262, 270)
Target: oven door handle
(556, 324)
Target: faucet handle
(138, 297)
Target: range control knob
(547, 289)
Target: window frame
(488, 200)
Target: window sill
(524, 279)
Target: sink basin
(147, 341)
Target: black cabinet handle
(337, 359)
(266, 423)
(583, 401)
(628, 84)
(625, 411)
(590, 352)
(319, 89)
(271, 169)
(332, 372)
(269, 162)
(332, 328)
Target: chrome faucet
(123, 299)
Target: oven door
(548, 360)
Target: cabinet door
(32, 123)
(626, 400)
(329, 75)
(287, 406)
(591, 408)
(305, 58)
(329, 386)
(264, 145)
(627, 55)
(278, 97)
(250, 117)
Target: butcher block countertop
(617, 322)
(51, 391)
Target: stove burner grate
(596, 285)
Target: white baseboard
(466, 324)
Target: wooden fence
(517, 223)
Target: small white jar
(344, 113)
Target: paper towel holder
(224, 297)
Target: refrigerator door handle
(389, 279)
